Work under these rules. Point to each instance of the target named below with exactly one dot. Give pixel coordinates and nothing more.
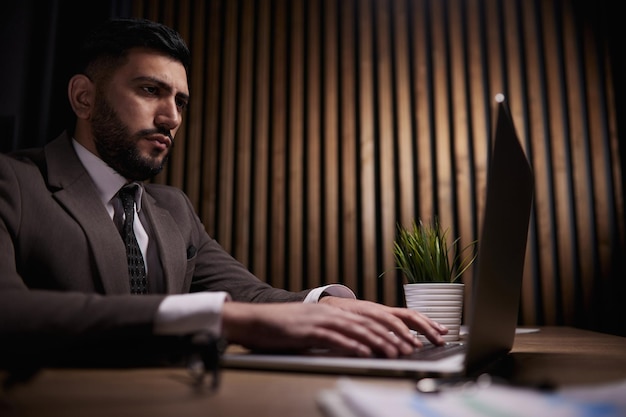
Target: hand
(297, 326)
(396, 319)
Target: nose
(168, 115)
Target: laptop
(496, 294)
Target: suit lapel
(169, 243)
(77, 193)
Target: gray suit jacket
(63, 272)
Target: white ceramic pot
(442, 302)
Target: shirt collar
(108, 181)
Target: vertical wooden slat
(244, 134)
(605, 155)
(279, 102)
(296, 147)
(603, 159)
(193, 134)
(479, 128)
(403, 130)
(365, 70)
(481, 99)
(612, 144)
(422, 85)
(228, 103)
(551, 286)
(313, 163)
(386, 143)
(210, 97)
(610, 287)
(462, 226)
(532, 300)
(563, 168)
(349, 146)
(331, 145)
(403, 112)
(260, 247)
(494, 83)
(584, 233)
(442, 111)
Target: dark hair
(111, 41)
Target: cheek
(136, 116)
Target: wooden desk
(563, 356)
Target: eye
(181, 103)
(150, 89)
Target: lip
(162, 140)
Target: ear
(81, 93)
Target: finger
(373, 334)
(401, 320)
(397, 329)
(432, 330)
(337, 342)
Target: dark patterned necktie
(136, 265)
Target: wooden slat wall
(316, 126)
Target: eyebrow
(162, 85)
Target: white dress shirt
(181, 313)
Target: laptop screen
(502, 245)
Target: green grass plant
(422, 254)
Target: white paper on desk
(363, 399)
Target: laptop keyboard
(433, 352)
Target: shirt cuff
(336, 290)
(183, 314)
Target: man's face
(138, 113)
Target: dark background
(37, 41)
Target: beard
(118, 147)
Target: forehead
(146, 63)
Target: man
(64, 276)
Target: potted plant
(431, 268)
